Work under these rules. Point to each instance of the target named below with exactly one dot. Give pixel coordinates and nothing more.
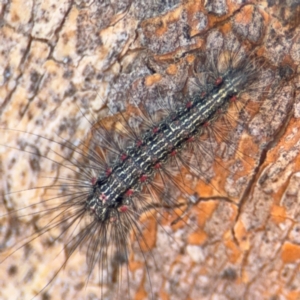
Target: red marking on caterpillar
(189, 104)
(103, 197)
(123, 157)
(109, 170)
(93, 180)
(157, 166)
(218, 81)
(173, 153)
(143, 178)
(155, 130)
(123, 208)
(234, 98)
(129, 193)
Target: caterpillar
(233, 62)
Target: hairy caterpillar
(211, 186)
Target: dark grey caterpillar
(122, 174)
(114, 191)
(135, 171)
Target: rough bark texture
(62, 60)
